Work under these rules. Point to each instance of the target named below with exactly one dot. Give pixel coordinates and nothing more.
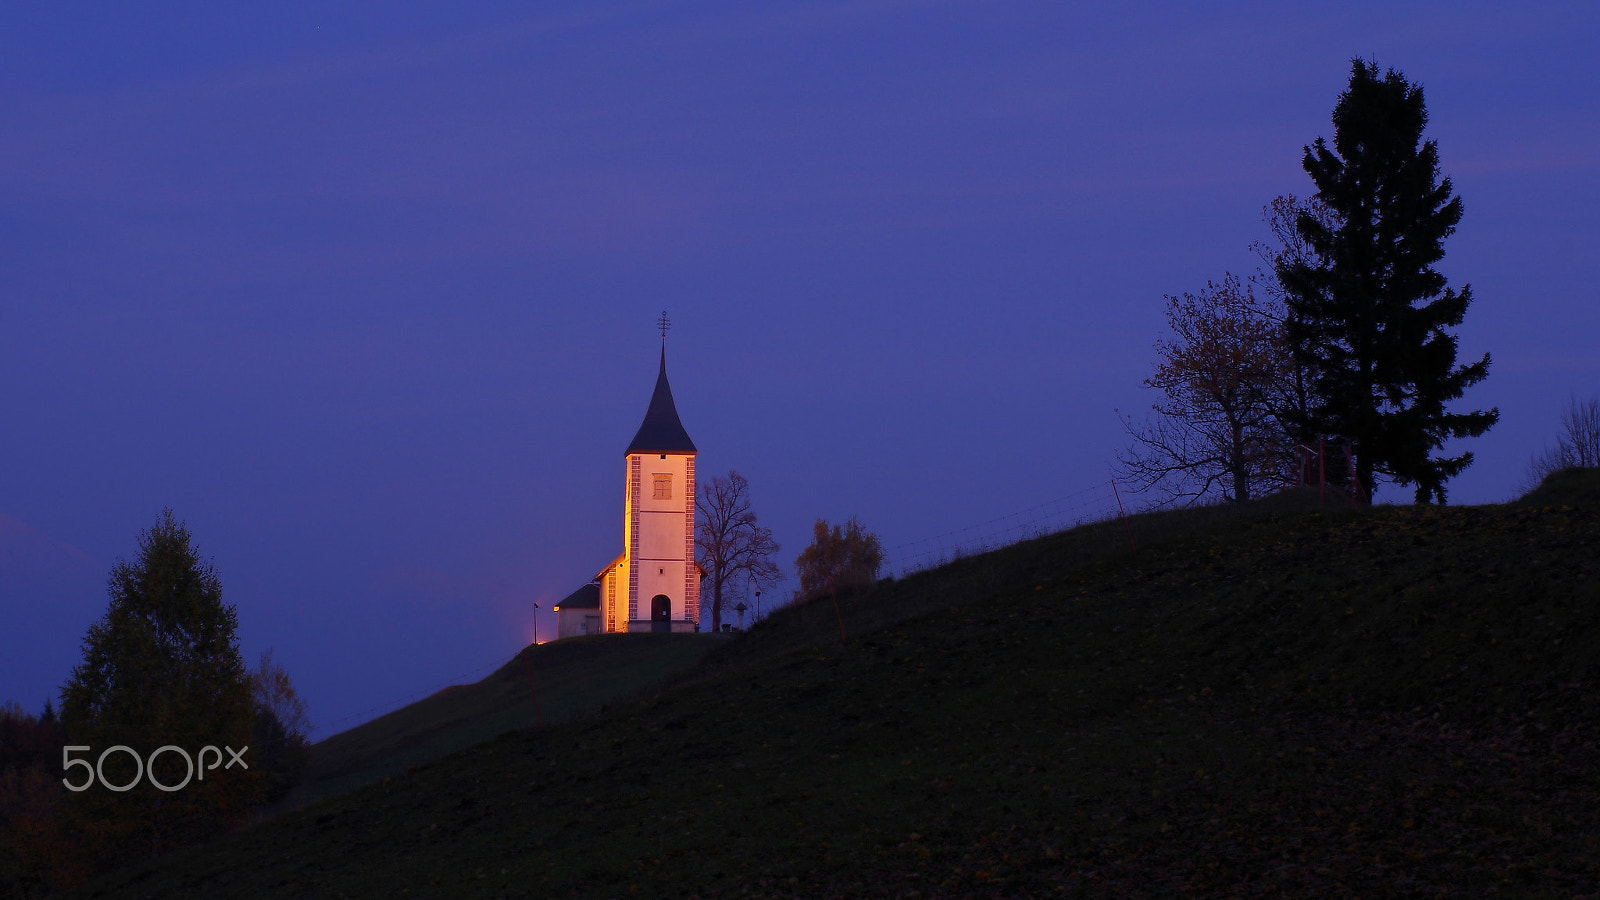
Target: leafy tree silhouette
(161, 668)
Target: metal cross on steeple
(663, 323)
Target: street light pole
(527, 669)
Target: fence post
(1118, 494)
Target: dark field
(1274, 702)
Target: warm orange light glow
(658, 533)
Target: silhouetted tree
(27, 740)
(838, 558)
(1223, 374)
(1368, 314)
(282, 729)
(1577, 445)
(731, 547)
(161, 668)
(1292, 395)
(36, 853)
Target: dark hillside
(574, 677)
(1395, 701)
(1568, 487)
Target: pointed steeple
(661, 432)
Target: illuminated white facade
(654, 585)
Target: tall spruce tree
(1368, 314)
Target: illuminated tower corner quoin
(655, 584)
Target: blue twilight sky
(365, 292)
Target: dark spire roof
(661, 431)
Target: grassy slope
(1394, 701)
(574, 677)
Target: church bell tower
(655, 584)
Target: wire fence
(1092, 504)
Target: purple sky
(366, 292)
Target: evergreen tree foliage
(1235, 400)
(1292, 395)
(162, 667)
(1369, 315)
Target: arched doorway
(660, 613)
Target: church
(654, 585)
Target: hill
(1395, 701)
(1566, 487)
(572, 677)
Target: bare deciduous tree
(1237, 402)
(1578, 444)
(730, 544)
(1224, 374)
(1292, 397)
(275, 694)
(282, 727)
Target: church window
(663, 487)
